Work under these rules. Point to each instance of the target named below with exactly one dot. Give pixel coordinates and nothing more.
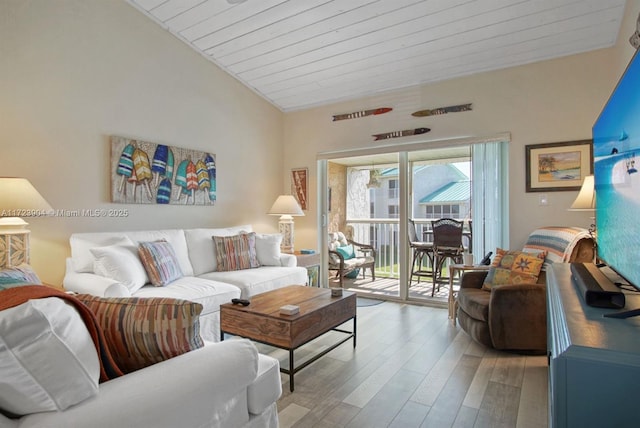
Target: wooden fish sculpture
(362, 113)
(442, 110)
(405, 133)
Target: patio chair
(347, 255)
(420, 249)
(447, 244)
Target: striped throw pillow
(144, 331)
(23, 272)
(160, 262)
(18, 275)
(236, 252)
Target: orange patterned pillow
(514, 267)
(141, 331)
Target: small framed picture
(554, 167)
(300, 186)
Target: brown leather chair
(511, 317)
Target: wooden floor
(412, 368)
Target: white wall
(551, 101)
(74, 72)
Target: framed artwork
(300, 186)
(148, 173)
(553, 167)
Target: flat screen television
(616, 151)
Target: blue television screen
(616, 147)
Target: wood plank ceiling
(303, 53)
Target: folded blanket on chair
(19, 295)
(558, 242)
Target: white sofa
(195, 251)
(53, 381)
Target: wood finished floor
(412, 368)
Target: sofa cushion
(48, 361)
(236, 252)
(141, 332)
(475, 303)
(120, 263)
(259, 280)
(81, 244)
(514, 267)
(160, 261)
(209, 293)
(268, 249)
(337, 239)
(357, 261)
(201, 248)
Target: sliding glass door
(371, 196)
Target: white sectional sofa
(224, 385)
(119, 273)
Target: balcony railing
(383, 234)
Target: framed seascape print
(300, 186)
(555, 167)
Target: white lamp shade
(586, 200)
(17, 195)
(18, 198)
(286, 205)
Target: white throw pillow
(48, 361)
(120, 263)
(268, 248)
(81, 246)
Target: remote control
(486, 260)
(243, 302)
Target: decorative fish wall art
(362, 113)
(442, 110)
(166, 174)
(405, 133)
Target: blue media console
(594, 361)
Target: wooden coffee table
(262, 322)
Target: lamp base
(285, 227)
(14, 247)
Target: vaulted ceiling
(303, 53)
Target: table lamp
(286, 207)
(586, 200)
(18, 198)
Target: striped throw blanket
(558, 242)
